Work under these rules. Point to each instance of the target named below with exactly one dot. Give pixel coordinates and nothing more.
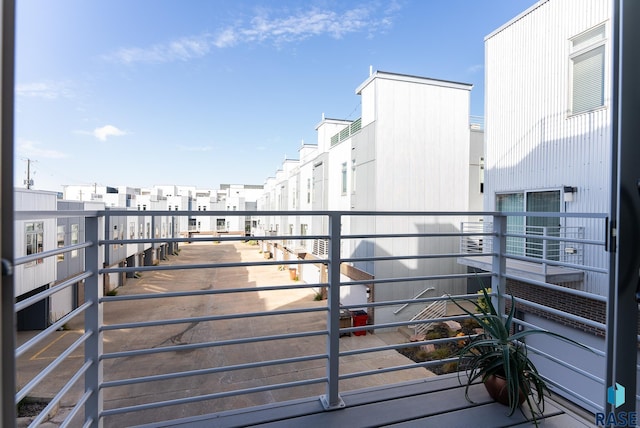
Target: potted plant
(499, 358)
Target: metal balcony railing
(557, 243)
(327, 367)
(347, 132)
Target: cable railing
(221, 324)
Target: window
(34, 238)
(587, 70)
(308, 190)
(353, 176)
(546, 201)
(74, 238)
(132, 229)
(61, 233)
(344, 178)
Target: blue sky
(144, 92)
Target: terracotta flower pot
(498, 390)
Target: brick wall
(577, 305)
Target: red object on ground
(360, 319)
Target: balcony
(544, 254)
(217, 335)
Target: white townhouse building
(548, 148)
(548, 129)
(412, 149)
(31, 237)
(47, 233)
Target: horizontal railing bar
(209, 265)
(199, 372)
(191, 346)
(408, 279)
(107, 299)
(547, 214)
(213, 396)
(575, 395)
(50, 253)
(49, 330)
(556, 263)
(58, 397)
(596, 351)
(405, 345)
(555, 238)
(22, 215)
(401, 323)
(417, 257)
(76, 408)
(54, 289)
(403, 301)
(571, 367)
(563, 314)
(407, 235)
(47, 370)
(164, 322)
(326, 213)
(29, 215)
(424, 364)
(210, 238)
(559, 288)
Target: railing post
(332, 398)
(92, 323)
(544, 251)
(499, 262)
(7, 249)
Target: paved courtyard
(202, 332)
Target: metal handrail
(417, 296)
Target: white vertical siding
(33, 275)
(421, 164)
(532, 140)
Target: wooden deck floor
(428, 403)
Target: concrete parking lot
(209, 331)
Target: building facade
(413, 149)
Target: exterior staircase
(436, 309)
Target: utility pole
(29, 181)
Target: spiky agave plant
(497, 352)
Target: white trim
(412, 79)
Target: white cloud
(475, 68)
(266, 28)
(47, 90)
(195, 149)
(107, 131)
(33, 149)
(182, 49)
